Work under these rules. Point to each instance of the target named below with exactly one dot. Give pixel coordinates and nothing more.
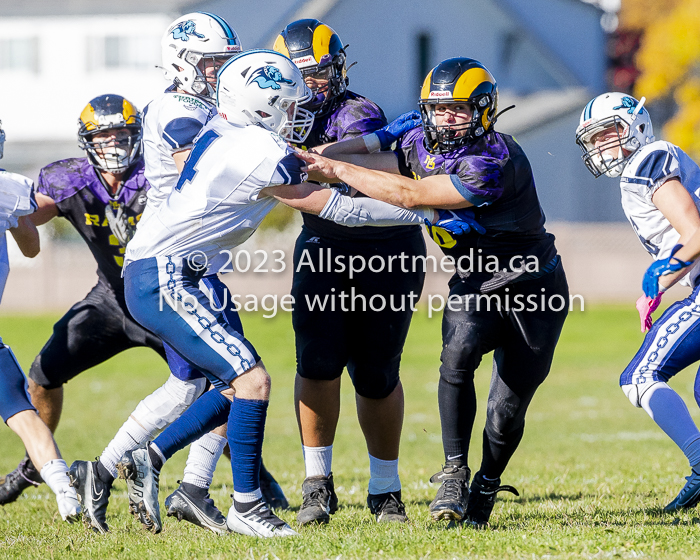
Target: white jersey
(16, 199)
(649, 168)
(215, 205)
(171, 123)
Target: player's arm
(27, 237)
(46, 209)
(366, 174)
(678, 207)
(345, 210)
(180, 158)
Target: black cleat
(388, 507)
(450, 503)
(482, 498)
(272, 492)
(93, 494)
(320, 501)
(184, 504)
(16, 482)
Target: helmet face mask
(265, 88)
(110, 132)
(194, 47)
(452, 83)
(613, 126)
(320, 56)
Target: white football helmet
(267, 89)
(629, 121)
(193, 43)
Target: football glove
(646, 306)
(650, 283)
(119, 224)
(456, 222)
(390, 133)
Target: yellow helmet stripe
(88, 117)
(425, 90)
(469, 81)
(280, 46)
(130, 113)
(322, 41)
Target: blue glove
(398, 127)
(456, 222)
(650, 283)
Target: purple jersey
(493, 174)
(81, 198)
(353, 116)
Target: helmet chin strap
(613, 170)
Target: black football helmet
(110, 112)
(458, 80)
(317, 51)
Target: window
(20, 54)
(115, 52)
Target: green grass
(593, 471)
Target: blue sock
(206, 413)
(246, 428)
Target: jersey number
(201, 146)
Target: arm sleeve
(654, 170)
(179, 133)
(479, 179)
(352, 212)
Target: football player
(16, 203)
(371, 343)
(462, 162)
(220, 201)
(194, 46)
(659, 185)
(103, 196)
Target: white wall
(45, 105)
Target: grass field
(593, 471)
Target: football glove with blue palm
(650, 283)
(390, 133)
(456, 222)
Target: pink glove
(646, 306)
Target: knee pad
(168, 402)
(635, 392)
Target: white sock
(202, 459)
(130, 436)
(383, 476)
(317, 460)
(247, 497)
(55, 474)
(670, 412)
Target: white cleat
(142, 484)
(259, 521)
(68, 505)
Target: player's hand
(119, 224)
(390, 133)
(456, 222)
(650, 283)
(319, 165)
(646, 306)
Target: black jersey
(353, 116)
(81, 198)
(493, 174)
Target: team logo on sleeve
(183, 31)
(268, 77)
(629, 103)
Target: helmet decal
(182, 31)
(629, 103)
(268, 77)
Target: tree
(669, 62)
